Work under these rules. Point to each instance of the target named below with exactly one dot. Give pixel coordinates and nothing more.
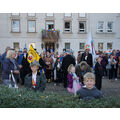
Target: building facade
(59, 30)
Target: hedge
(22, 98)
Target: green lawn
(22, 98)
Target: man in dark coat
(67, 60)
(86, 56)
(25, 66)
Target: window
(49, 25)
(31, 26)
(49, 14)
(67, 26)
(67, 14)
(82, 15)
(31, 14)
(15, 14)
(100, 26)
(67, 46)
(82, 26)
(109, 46)
(100, 46)
(16, 45)
(110, 27)
(15, 25)
(82, 46)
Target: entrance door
(50, 47)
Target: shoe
(48, 81)
(115, 79)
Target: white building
(69, 30)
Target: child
(89, 91)
(35, 80)
(98, 73)
(73, 80)
(57, 71)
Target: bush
(22, 98)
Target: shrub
(22, 98)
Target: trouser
(98, 83)
(49, 74)
(65, 80)
(112, 73)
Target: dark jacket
(7, 67)
(98, 70)
(67, 60)
(40, 81)
(89, 59)
(81, 73)
(88, 94)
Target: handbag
(11, 82)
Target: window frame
(67, 16)
(49, 21)
(28, 26)
(81, 16)
(12, 25)
(109, 43)
(99, 44)
(99, 30)
(65, 46)
(80, 46)
(31, 15)
(81, 29)
(49, 16)
(68, 28)
(110, 29)
(13, 14)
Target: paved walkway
(108, 88)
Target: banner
(32, 55)
(89, 44)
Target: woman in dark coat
(9, 65)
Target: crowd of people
(78, 75)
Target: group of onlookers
(79, 76)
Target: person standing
(86, 56)
(49, 67)
(9, 65)
(78, 57)
(24, 65)
(67, 60)
(98, 73)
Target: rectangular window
(49, 25)
(31, 26)
(15, 14)
(100, 26)
(82, 46)
(110, 26)
(16, 45)
(67, 14)
(49, 14)
(82, 26)
(109, 46)
(67, 46)
(67, 26)
(100, 46)
(82, 15)
(15, 25)
(31, 14)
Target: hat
(36, 63)
(97, 56)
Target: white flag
(89, 44)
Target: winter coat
(40, 81)
(7, 67)
(81, 73)
(49, 62)
(89, 59)
(98, 70)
